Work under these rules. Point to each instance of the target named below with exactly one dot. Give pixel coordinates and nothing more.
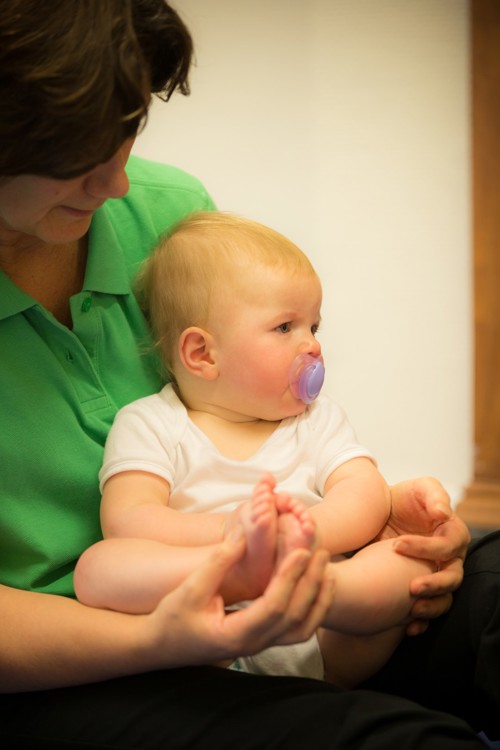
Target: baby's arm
(136, 504)
(355, 507)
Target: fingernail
(445, 509)
(304, 558)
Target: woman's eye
(284, 328)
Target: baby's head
(205, 261)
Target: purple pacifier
(307, 374)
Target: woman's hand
(191, 621)
(426, 528)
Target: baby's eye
(284, 328)
(315, 329)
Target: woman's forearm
(51, 641)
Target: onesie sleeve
(143, 437)
(334, 438)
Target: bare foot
(296, 526)
(259, 519)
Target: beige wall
(345, 125)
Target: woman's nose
(109, 180)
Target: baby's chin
(290, 406)
(292, 410)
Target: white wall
(345, 125)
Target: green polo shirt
(60, 388)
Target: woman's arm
(50, 641)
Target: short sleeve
(144, 437)
(334, 438)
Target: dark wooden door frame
(481, 503)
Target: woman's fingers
(292, 607)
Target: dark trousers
(454, 667)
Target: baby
(235, 308)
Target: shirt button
(86, 304)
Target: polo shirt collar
(106, 270)
(12, 299)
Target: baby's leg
(370, 609)
(372, 589)
(259, 520)
(351, 659)
(133, 575)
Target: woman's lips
(80, 213)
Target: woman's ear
(196, 353)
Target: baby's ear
(196, 353)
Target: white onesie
(155, 434)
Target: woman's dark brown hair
(76, 77)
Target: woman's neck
(50, 274)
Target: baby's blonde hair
(197, 258)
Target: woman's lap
(197, 708)
(455, 665)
